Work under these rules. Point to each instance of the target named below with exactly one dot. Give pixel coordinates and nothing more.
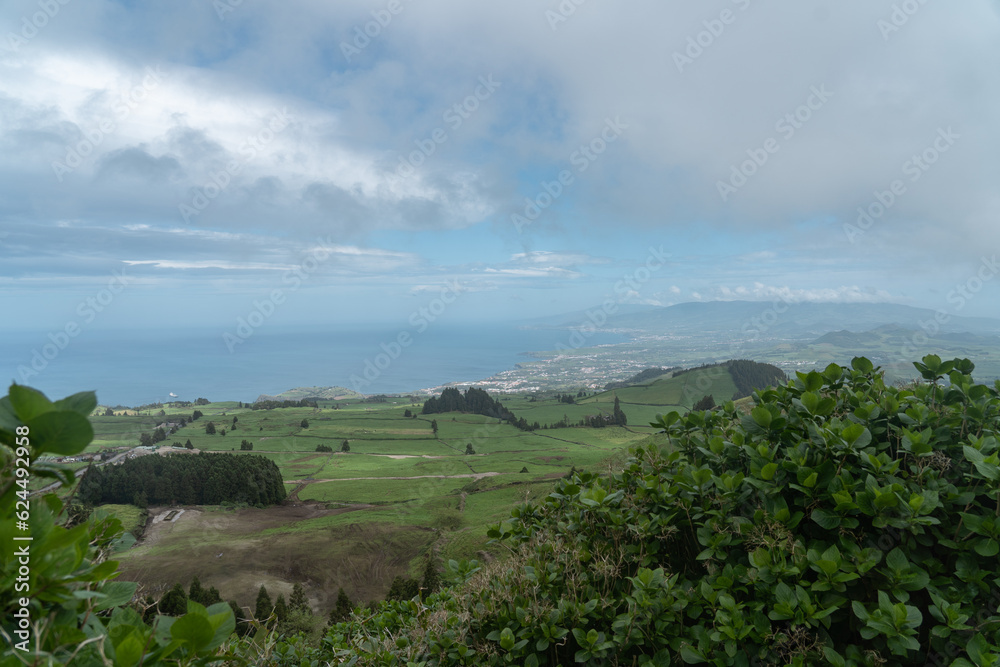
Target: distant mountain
(771, 320)
(580, 317)
(297, 394)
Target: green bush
(59, 603)
(841, 522)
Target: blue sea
(146, 366)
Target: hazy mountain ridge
(778, 319)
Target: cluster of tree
(146, 440)
(380, 398)
(616, 418)
(196, 415)
(566, 398)
(174, 603)
(407, 588)
(304, 423)
(324, 448)
(290, 617)
(474, 401)
(640, 377)
(202, 479)
(202, 401)
(705, 403)
(749, 376)
(271, 405)
(246, 446)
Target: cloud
(117, 115)
(762, 292)
(207, 264)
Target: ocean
(145, 366)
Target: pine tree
(212, 597)
(280, 608)
(298, 602)
(243, 626)
(174, 602)
(264, 607)
(432, 581)
(345, 447)
(705, 403)
(617, 416)
(342, 610)
(196, 592)
(434, 426)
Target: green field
(400, 491)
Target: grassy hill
(679, 390)
(297, 394)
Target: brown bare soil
(228, 550)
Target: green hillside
(682, 389)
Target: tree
(174, 602)
(222, 432)
(345, 447)
(243, 626)
(246, 446)
(263, 608)
(617, 416)
(469, 450)
(705, 403)
(281, 608)
(403, 588)
(196, 592)
(210, 428)
(235, 419)
(109, 412)
(342, 609)
(434, 426)
(188, 444)
(298, 601)
(432, 581)
(145, 440)
(304, 423)
(407, 413)
(197, 414)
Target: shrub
(76, 612)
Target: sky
(186, 163)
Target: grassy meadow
(358, 518)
